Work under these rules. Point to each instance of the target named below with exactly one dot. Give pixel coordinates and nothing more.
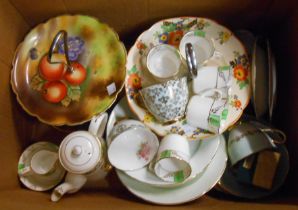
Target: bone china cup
(173, 159)
(167, 101)
(203, 47)
(163, 61)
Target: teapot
(83, 155)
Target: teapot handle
(98, 124)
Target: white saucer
(206, 150)
(40, 182)
(182, 194)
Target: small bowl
(133, 148)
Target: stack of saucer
(207, 162)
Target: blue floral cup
(167, 101)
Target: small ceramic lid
(80, 152)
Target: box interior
(275, 19)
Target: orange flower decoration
(175, 38)
(237, 104)
(240, 73)
(141, 45)
(134, 81)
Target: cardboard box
(276, 19)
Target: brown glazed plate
(59, 97)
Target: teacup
(208, 110)
(164, 61)
(132, 146)
(173, 159)
(248, 138)
(210, 77)
(43, 162)
(167, 101)
(202, 46)
(206, 77)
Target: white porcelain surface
(81, 151)
(203, 47)
(133, 149)
(163, 61)
(121, 126)
(44, 162)
(172, 160)
(182, 194)
(207, 112)
(210, 77)
(203, 154)
(40, 182)
(83, 155)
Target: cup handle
(217, 93)
(191, 60)
(283, 136)
(98, 124)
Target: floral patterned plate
(59, 97)
(170, 31)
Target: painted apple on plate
(77, 75)
(51, 71)
(54, 91)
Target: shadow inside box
(280, 197)
(117, 189)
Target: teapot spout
(72, 184)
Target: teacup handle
(191, 60)
(217, 93)
(54, 44)
(277, 131)
(98, 124)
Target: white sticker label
(111, 88)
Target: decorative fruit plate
(170, 31)
(68, 93)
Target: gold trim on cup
(176, 176)
(277, 131)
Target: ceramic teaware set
(170, 99)
(177, 133)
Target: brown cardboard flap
(275, 18)
(13, 29)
